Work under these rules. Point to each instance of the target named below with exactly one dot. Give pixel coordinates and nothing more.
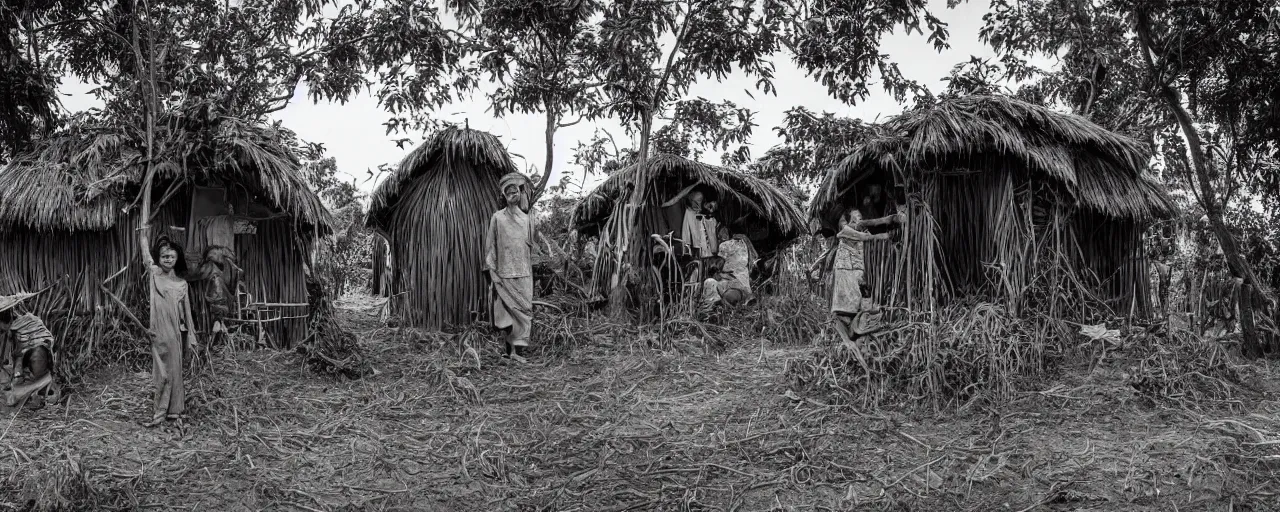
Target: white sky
(354, 135)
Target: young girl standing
(171, 325)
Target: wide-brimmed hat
(7, 302)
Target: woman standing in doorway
(172, 327)
(850, 307)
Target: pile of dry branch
(330, 349)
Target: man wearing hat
(508, 259)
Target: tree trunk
(646, 126)
(630, 204)
(148, 93)
(1239, 267)
(553, 120)
(1252, 342)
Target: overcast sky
(353, 133)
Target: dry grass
(964, 353)
(610, 419)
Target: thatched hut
(69, 213)
(1007, 201)
(770, 216)
(433, 212)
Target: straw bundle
(329, 348)
(434, 211)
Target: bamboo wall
(273, 264)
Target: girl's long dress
(170, 319)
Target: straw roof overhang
(1102, 171)
(753, 194)
(88, 179)
(441, 153)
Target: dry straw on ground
(611, 418)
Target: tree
(1205, 67)
(838, 43)
(708, 40)
(1099, 60)
(28, 85)
(811, 145)
(538, 51)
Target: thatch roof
(87, 178)
(481, 150)
(748, 193)
(1101, 170)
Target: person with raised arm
(172, 329)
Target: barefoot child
(172, 327)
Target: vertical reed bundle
(434, 212)
(438, 246)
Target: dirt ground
(609, 425)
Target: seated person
(28, 349)
(720, 288)
(739, 256)
(218, 270)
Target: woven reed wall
(998, 236)
(273, 273)
(75, 265)
(437, 247)
(71, 267)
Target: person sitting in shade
(29, 350)
(698, 227)
(508, 259)
(730, 284)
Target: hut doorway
(247, 267)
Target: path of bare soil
(609, 426)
